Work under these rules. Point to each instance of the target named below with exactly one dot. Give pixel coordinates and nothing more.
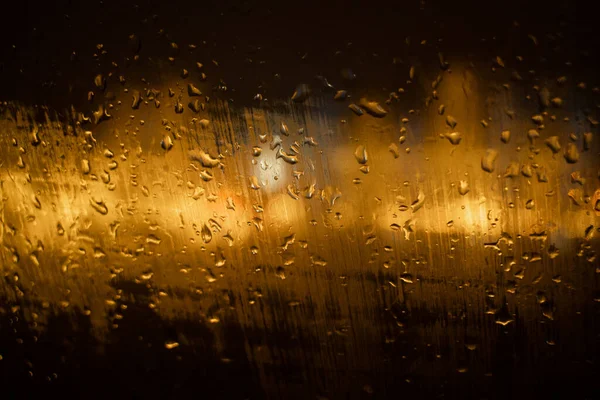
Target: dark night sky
(37, 43)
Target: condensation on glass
(333, 240)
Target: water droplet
(195, 106)
(557, 102)
(288, 241)
(361, 154)
(451, 121)
(406, 278)
(587, 141)
(301, 93)
(153, 239)
(291, 190)
(544, 97)
(136, 100)
(288, 158)
(178, 107)
(170, 345)
(167, 143)
(206, 234)
(571, 153)
(193, 90)
(198, 192)
(488, 161)
(340, 95)
(85, 166)
(283, 129)
(309, 140)
(36, 202)
(541, 175)
(99, 206)
(529, 204)
(373, 108)
(309, 191)
(503, 317)
(205, 159)
(411, 73)
(275, 142)
(228, 238)
(512, 170)
(280, 272)
(527, 170)
(454, 137)
(356, 109)
(538, 119)
(419, 202)
(408, 227)
(393, 148)
(100, 81)
(532, 134)
(463, 188)
(254, 183)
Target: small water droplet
(283, 129)
(169, 345)
(228, 238)
(451, 121)
(136, 99)
(153, 239)
(406, 278)
(529, 204)
(301, 93)
(206, 234)
(167, 143)
(340, 95)
(99, 206)
(254, 183)
(538, 119)
(463, 188)
(193, 90)
(85, 166)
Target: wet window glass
(254, 199)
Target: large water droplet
(361, 154)
(488, 161)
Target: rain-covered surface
(409, 211)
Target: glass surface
(253, 200)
